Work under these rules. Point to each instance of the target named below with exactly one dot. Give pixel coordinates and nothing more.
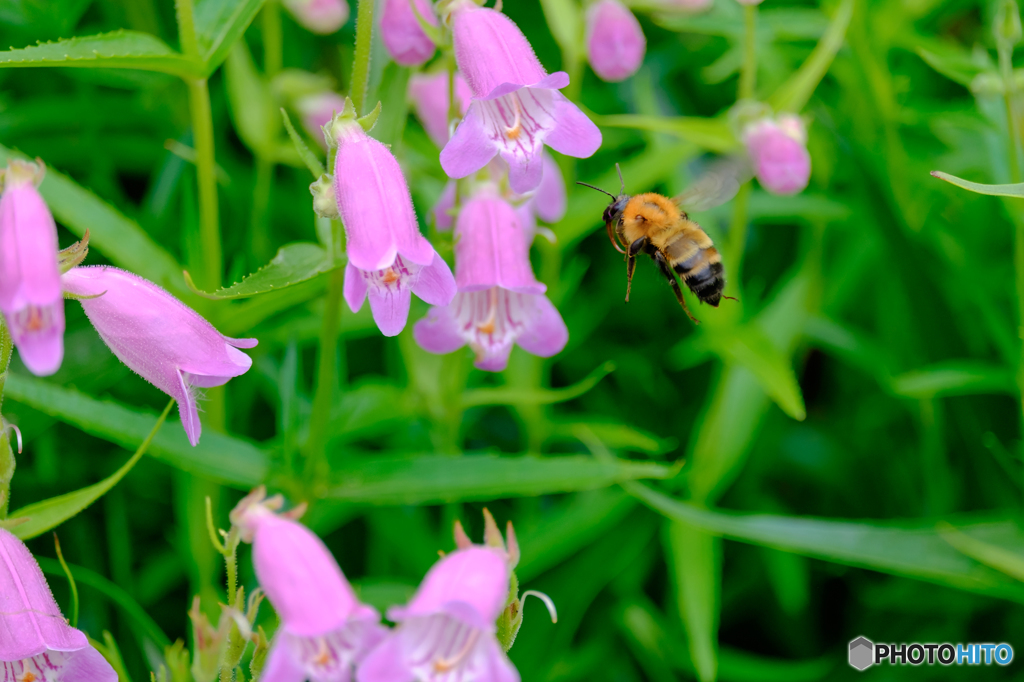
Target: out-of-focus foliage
(851, 427)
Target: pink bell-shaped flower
(429, 95)
(516, 106)
(160, 338)
(778, 151)
(30, 296)
(615, 41)
(324, 629)
(447, 631)
(36, 643)
(500, 302)
(319, 16)
(388, 258)
(401, 33)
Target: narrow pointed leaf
(294, 263)
(713, 134)
(219, 23)
(117, 50)
(1014, 190)
(750, 348)
(955, 377)
(696, 568)
(534, 396)
(795, 92)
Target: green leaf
(565, 20)
(294, 263)
(218, 456)
(219, 23)
(47, 514)
(302, 149)
(696, 571)
(1015, 190)
(1007, 561)
(955, 64)
(794, 93)
(117, 50)
(616, 436)
(433, 479)
(955, 377)
(252, 107)
(913, 549)
(118, 238)
(534, 396)
(751, 348)
(713, 134)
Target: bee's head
(613, 213)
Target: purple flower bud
(447, 631)
(516, 106)
(324, 630)
(160, 338)
(388, 258)
(319, 16)
(615, 41)
(401, 33)
(429, 95)
(30, 295)
(317, 111)
(499, 302)
(36, 643)
(778, 150)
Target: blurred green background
(864, 388)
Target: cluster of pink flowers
(510, 108)
(448, 631)
(156, 335)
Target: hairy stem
(361, 60)
(738, 235)
(206, 173)
(326, 378)
(748, 72)
(186, 28)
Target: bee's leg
(659, 258)
(612, 239)
(634, 248)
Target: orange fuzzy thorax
(648, 214)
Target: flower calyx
(325, 201)
(20, 171)
(74, 254)
(342, 122)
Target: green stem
(186, 28)
(361, 60)
(7, 461)
(1006, 68)
(206, 173)
(326, 380)
(272, 42)
(748, 72)
(260, 219)
(738, 235)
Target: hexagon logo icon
(862, 653)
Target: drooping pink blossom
(388, 258)
(615, 41)
(429, 93)
(160, 338)
(778, 151)
(319, 16)
(36, 643)
(516, 106)
(447, 631)
(401, 33)
(30, 295)
(317, 111)
(325, 631)
(500, 302)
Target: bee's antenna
(597, 188)
(622, 182)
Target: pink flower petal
(491, 50)
(574, 134)
(319, 16)
(491, 248)
(354, 287)
(442, 217)
(401, 33)
(390, 310)
(470, 148)
(38, 332)
(615, 41)
(547, 335)
(550, 198)
(429, 95)
(280, 665)
(435, 283)
(386, 663)
(438, 332)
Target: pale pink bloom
(388, 258)
(447, 632)
(429, 95)
(160, 338)
(317, 111)
(36, 643)
(325, 631)
(319, 16)
(30, 296)
(778, 151)
(516, 106)
(615, 41)
(401, 33)
(500, 302)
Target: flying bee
(660, 227)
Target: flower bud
(430, 98)
(160, 338)
(30, 295)
(401, 33)
(325, 204)
(317, 110)
(778, 151)
(319, 16)
(615, 41)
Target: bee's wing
(717, 185)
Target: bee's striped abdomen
(701, 270)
